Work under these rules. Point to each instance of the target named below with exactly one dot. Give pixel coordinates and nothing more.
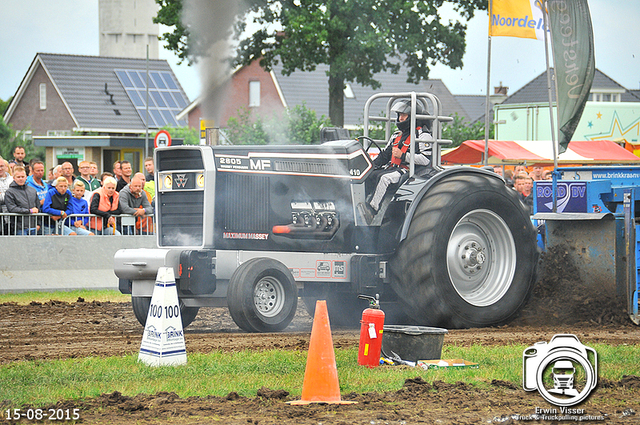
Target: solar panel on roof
(158, 80)
(169, 99)
(168, 78)
(158, 98)
(135, 98)
(137, 81)
(124, 79)
(165, 97)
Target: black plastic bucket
(413, 343)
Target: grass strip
(43, 382)
(24, 298)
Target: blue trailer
(596, 220)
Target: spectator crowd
(67, 202)
(522, 180)
(74, 202)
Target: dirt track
(57, 330)
(62, 330)
(67, 330)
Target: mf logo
(181, 180)
(260, 164)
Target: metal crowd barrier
(12, 224)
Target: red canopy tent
(512, 152)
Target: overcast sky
(71, 27)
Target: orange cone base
(305, 402)
(321, 375)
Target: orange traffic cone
(321, 375)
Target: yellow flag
(516, 18)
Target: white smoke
(210, 23)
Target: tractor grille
(188, 159)
(181, 218)
(181, 212)
(306, 167)
(246, 203)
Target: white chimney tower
(126, 27)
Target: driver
(393, 162)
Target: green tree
(300, 126)
(304, 126)
(356, 38)
(190, 136)
(170, 14)
(458, 131)
(4, 104)
(6, 137)
(247, 130)
(9, 139)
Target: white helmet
(403, 106)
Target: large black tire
(345, 309)
(141, 311)
(470, 255)
(262, 296)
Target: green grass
(42, 382)
(66, 296)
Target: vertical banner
(574, 62)
(516, 18)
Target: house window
(52, 133)
(348, 92)
(27, 135)
(254, 93)
(43, 96)
(606, 97)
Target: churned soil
(59, 330)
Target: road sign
(205, 124)
(162, 139)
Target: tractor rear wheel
(470, 255)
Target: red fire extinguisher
(371, 327)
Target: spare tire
(470, 256)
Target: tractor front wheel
(141, 311)
(262, 296)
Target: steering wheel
(371, 142)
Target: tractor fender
(446, 173)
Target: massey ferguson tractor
(256, 228)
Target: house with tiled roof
(65, 96)
(603, 89)
(248, 87)
(474, 104)
(611, 113)
(312, 88)
(273, 92)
